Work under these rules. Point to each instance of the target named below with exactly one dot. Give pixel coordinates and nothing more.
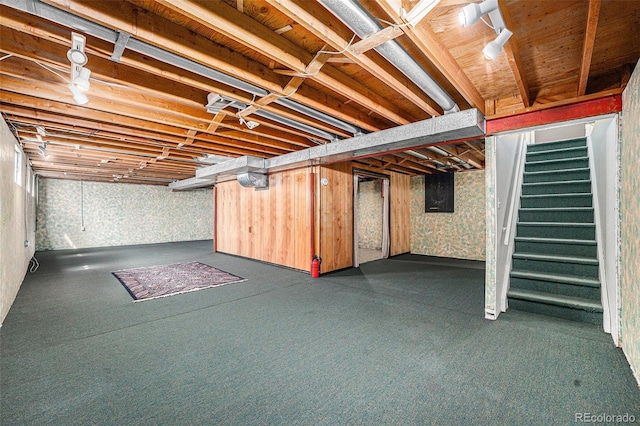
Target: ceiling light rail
(79, 74)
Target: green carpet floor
(396, 342)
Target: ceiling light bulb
(493, 49)
(79, 97)
(472, 12)
(82, 80)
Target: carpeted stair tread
(556, 241)
(558, 171)
(578, 150)
(558, 278)
(559, 187)
(566, 143)
(557, 175)
(556, 299)
(558, 150)
(560, 182)
(556, 258)
(556, 160)
(571, 194)
(558, 224)
(557, 209)
(556, 154)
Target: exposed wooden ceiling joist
(587, 46)
(513, 57)
(146, 116)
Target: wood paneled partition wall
(336, 217)
(274, 225)
(400, 215)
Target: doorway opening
(370, 217)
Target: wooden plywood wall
(274, 225)
(271, 225)
(335, 213)
(400, 214)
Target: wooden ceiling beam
(587, 46)
(384, 166)
(375, 40)
(239, 147)
(86, 135)
(118, 135)
(429, 43)
(513, 57)
(183, 42)
(56, 119)
(179, 40)
(466, 157)
(178, 89)
(291, 87)
(80, 142)
(129, 108)
(163, 106)
(311, 23)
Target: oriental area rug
(168, 280)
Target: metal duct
(363, 24)
(253, 180)
(46, 11)
(284, 120)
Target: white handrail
(513, 192)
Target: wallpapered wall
(460, 234)
(119, 214)
(630, 222)
(17, 221)
(370, 204)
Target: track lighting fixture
(82, 80)
(472, 12)
(493, 49)
(249, 123)
(42, 149)
(79, 74)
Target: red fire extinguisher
(315, 266)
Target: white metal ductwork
(46, 11)
(363, 24)
(217, 103)
(253, 180)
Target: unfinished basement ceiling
(294, 74)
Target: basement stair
(555, 261)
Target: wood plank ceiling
(146, 121)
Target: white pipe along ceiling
(363, 24)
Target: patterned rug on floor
(167, 280)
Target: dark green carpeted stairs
(555, 261)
